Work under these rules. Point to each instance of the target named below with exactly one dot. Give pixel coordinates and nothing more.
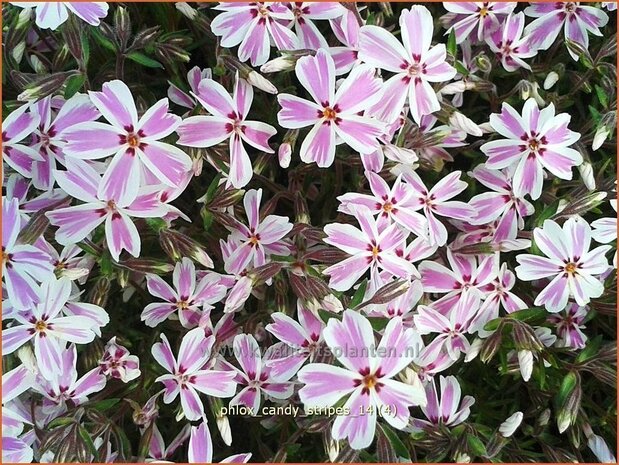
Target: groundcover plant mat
(309, 232)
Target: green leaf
(461, 68)
(88, 441)
(452, 48)
(378, 323)
(62, 421)
(144, 60)
(73, 86)
(397, 444)
(476, 446)
(567, 387)
(358, 297)
(85, 49)
(530, 315)
(547, 213)
(103, 405)
(156, 224)
(102, 40)
(601, 96)
(591, 350)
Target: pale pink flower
(415, 63)
(302, 338)
(450, 328)
(577, 21)
(333, 114)
(50, 15)
(14, 382)
(367, 375)
(254, 26)
(228, 121)
(194, 77)
(391, 204)
(568, 261)
(186, 298)
(535, 140)
(23, 266)
(75, 223)
(157, 449)
(371, 248)
(118, 363)
(502, 204)
(448, 411)
(259, 239)
(44, 325)
(304, 13)
(188, 374)
(346, 28)
(16, 127)
(477, 19)
(569, 324)
(201, 447)
(508, 44)
(255, 374)
(436, 201)
(48, 139)
(134, 142)
(63, 384)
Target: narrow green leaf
(73, 86)
(144, 60)
(451, 43)
(358, 297)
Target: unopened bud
(187, 11)
(284, 154)
(223, 424)
(387, 293)
(259, 81)
(586, 172)
(483, 63)
(551, 80)
(283, 63)
(332, 304)
(525, 363)
(45, 86)
(509, 426)
(177, 245)
(459, 121)
(122, 25)
(18, 51)
(238, 294)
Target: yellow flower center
(369, 381)
(483, 12)
(571, 267)
(182, 305)
(375, 251)
(387, 207)
(40, 326)
(133, 140)
(329, 113)
(534, 145)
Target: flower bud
(332, 304)
(223, 424)
(45, 86)
(177, 245)
(259, 81)
(284, 154)
(600, 449)
(568, 400)
(18, 51)
(551, 80)
(187, 11)
(586, 172)
(459, 121)
(283, 63)
(509, 426)
(26, 355)
(122, 26)
(483, 63)
(525, 362)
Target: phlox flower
(23, 266)
(366, 376)
(194, 77)
(477, 19)
(201, 447)
(157, 449)
(186, 298)
(568, 262)
(188, 375)
(118, 363)
(16, 127)
(14, 382)
(448, 410)
(371, 248)
(72, 263)
(509, 45)
(48, 138)
(75, 223)
(304, 13)
(255, 375)
(254, 26)
(502, 204)
(393, 204)
(535, 140)
(258, 239)
(134, 142)
(48, 330)
(434, 153)
(436, 201)
(569, 324)
(228, 121)
(604, 230)
(50, 15)
(333, 114)
(64, 385)
(451, 328)
(346, 29)
(415, 63)
(577, 21)
(302, 339)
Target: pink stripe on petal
(200, 445)
(241, 170)
(21, 158)
(317, 75)
(215, 383)
(348, 338)
(75, 223)
(203, 131)
(555, 295)
(417, 28)
(359, 429)
(92, 140)
(157, 122)
(346, 273)
(184, 278)
(319, 145)
(121, 234)
(162, 353)
(191, 403)
(422, 99)
(247, 352)
(325, 385)
(359, 90)
(13, 338)
(167, 162)
(156, 313)
(243, 96)
(48, 356)
(215, 98)
(296, 112)
(80, 180)
(91, 12)
(116, 104)
(121, 180)
(359, 132)
(257, 135)
(256, 45)
(381, 49)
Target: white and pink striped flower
(335, 116)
